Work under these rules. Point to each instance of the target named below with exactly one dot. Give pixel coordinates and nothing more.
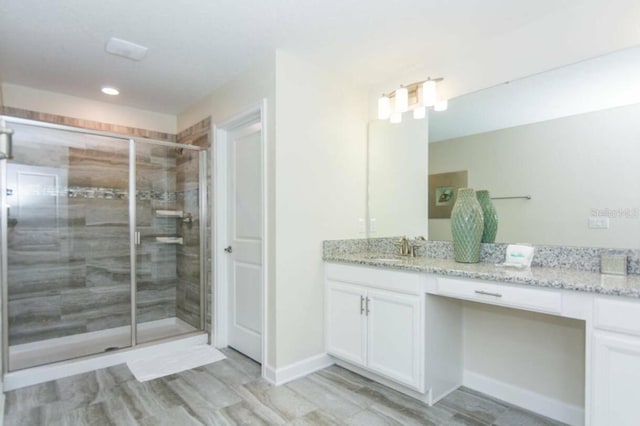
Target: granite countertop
(558, 278)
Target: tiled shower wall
(188, 291)
(74, 277)
(69, 270)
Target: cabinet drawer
(398, 281)
(617, 315)
(502, 294)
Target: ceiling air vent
(126, 49)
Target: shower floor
(63, 348)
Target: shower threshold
(64, 356)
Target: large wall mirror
(560, 150)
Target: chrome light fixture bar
(416, 97)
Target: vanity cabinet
(616, 362)
(375, 324)
(616, 377)
(405, 329)
(346, 322)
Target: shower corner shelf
(170, 240)
(169, 213)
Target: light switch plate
(615, 264)
(598, 223)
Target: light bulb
(429, 93)
(402, 99)
(112, 91)
(396, 118)
(441, 105)
(384, 107)
(420, 112)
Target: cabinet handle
(361, 305)
(368, 300)
(488, 293)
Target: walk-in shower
(102, 247)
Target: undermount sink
(383, 258)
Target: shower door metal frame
(4, 261)
(133, 242)
(203, 220)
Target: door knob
(228, 249)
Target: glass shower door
(168, 280)
(68, 270)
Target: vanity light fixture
(416, 97)
(429, 93)
(395, 118)
(111, 91)
(384, 107)
(402, 99)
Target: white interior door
(35, 193)
(244, 236)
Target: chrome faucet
(403, 246)
(418, 242)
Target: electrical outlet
(598, 223)
(361, 226)
(373, 225)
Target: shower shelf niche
(169, 213)
(170, 240)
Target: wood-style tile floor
(230, 392)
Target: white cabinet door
(616, 377)
(346, 322)
(394, 336)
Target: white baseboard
(269, 374)
(280, 376)
(532, 401)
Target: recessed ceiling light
(110, 91)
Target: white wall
(541, 353)
(71, 106)
(316, 177)
(397, 177)
(569, 166)
(246, 90)
(320, 192)
(585, 30)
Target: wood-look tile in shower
(86, 124)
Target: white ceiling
(196, 45)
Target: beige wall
(569, 166)
(320, 192)
(316, 173)
(541, 45)
(540, 353)
(57, 103)
(246, 90)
